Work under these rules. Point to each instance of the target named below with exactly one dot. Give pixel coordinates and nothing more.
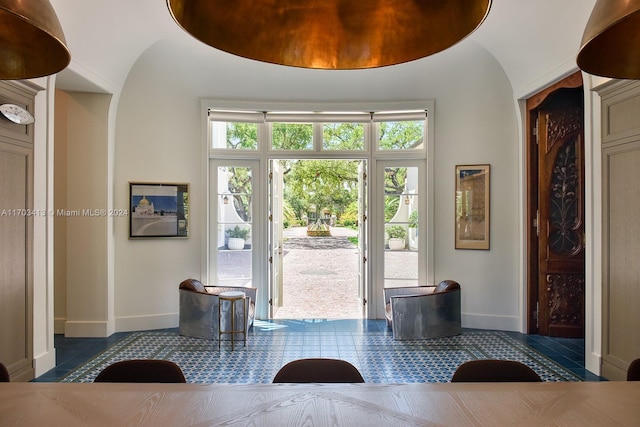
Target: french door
(275, 237)
(363, 236)
(277, 274)
(401, 223)
(232, 228)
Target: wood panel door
(15, 258)
(556, 249)
(16, 238)
(620, 227)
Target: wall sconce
(225, 200)
(406, 200)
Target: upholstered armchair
(420, 312)
(199, 310)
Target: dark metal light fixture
(611, 40)
(330, 34)
(32, 43)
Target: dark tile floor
(72, 352)
(568, 352)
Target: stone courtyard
(320, 276)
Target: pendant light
(32, 43)
(611, 40)
(330, 34)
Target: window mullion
(264, 137)
(317, 137)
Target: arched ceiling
(531, 40)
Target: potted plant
(237, 237)
(397, 235)
(413, 219)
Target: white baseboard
(93, 329)
(43, 363)
(491, 322)
(593, 363)
(146, 323)
(87, 329)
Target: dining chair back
(633, 373)
(318, 370)
(492, 370)
(141, 371)
(4, 374)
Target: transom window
(307, 132)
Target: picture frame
(472, 200)
(158, 210)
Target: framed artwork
(472, 207)
(158, 210)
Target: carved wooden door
(561, 214)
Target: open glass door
(231, 224)
(275, 237)
(403, 239)
(362, 236)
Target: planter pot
(235, 244)
(396, 244)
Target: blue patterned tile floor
(368, 344)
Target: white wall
(476, 123)
(44, 356)
(82, 169)
(158, 139)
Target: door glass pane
(292, 136)
(343, 136)
(401, 135)
(401, 226)
(234, 135)
(234, 230)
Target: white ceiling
(529, 39)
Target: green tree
(401, 135)
(288, 214)
(330, 184)
(242, 135)
(395, 179)
(239, 185)
(292, 136)
(350, 214)
(343, 136)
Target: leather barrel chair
(199, 310)
(421, 312)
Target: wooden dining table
(372, 405)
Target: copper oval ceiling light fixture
(32, 43)
(330, 34)
(611, 40)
